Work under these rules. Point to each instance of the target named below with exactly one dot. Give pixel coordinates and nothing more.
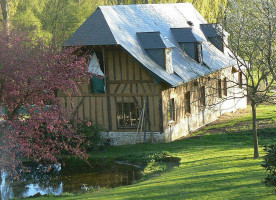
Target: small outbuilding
(160, 72)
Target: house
(161, 71)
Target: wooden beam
(130, 95)
(87, 95)
(113, 64)
(130, 81)
(103, 122)
(120, 64)
(117, 88)
(124, 89)
(143, 87)
(96, 111)
(161, 115)
(116, 108)
(107, 85)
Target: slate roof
(119, 25)
(94, 31)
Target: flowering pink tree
(35, 126)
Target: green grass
(213, 166)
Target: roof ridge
(148, 4)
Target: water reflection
(36, 188)
(58, 181)
(6, 190)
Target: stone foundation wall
(123, 138)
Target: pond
(59, 181)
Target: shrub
(91, 132)
(269, 164)
(143, 159)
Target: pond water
(59, 181)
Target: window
(240, 79)
(225, 86)
(202, 96)
(171, 110)
(187, 103)
(219, 89)
(127, 115)
(97, 83)
(217, 42)
(193, 49)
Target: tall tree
(5, 14)
(251, 24)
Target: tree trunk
(5, 14)
(255, 132)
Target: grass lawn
(217, 163)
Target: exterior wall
(130, 83)
(126, 82)
(200, 115)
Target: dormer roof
(153, 40)
(185, 35)
(213, 30)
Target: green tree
(251, 24)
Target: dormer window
(190, 43)
(158, 48)
(193, 49)
(215, 34)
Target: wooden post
(107, 86)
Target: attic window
(190, 42)
(217, 42)
(215, 34)
(194, 50)
(97, 82)
(158, 48)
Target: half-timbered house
(160, 72)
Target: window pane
(127, 115)
(203, 100)
(219, 88)
(225, 86)
(187, 102)
(120, 117)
